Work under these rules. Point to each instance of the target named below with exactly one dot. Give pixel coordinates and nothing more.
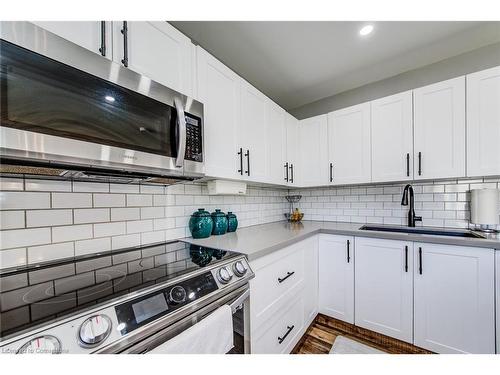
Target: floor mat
(343, 345)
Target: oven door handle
(181, 133)
(238, 302)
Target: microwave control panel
(194, 140)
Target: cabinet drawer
(275, 283)
(282, 333)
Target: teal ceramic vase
(200, 224)
(220, 222)
(232, 222)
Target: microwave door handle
(181, 133)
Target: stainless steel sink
(430, 231)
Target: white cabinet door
(439, 129)
(483, 123)
(219, 91)
(313, 154)
(159, 51)
(310, 290)
(292, 148)
(253, 132)
(392, 138)
(336, 277)
(383, 287)
(349, 145)
(87, 34)
(454, 298)
(276, 143)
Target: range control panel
(194, 139)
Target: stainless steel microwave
(68, 112)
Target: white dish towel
(212, 335)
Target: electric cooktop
(45, 292)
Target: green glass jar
(200, 224)
(220, 222)
(232, 222)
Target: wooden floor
(321, 334)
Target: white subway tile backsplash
(109, 200)
(71, 200)
(24, 237)
(11, 219)
(128, 240)
(152, 212)
(47, 185)
(126, 213)
(139, 226)
(123, 188)
(71, 233)
(13, 258)
(12, 200)
(90, 187)
(109, 229)
(91, 215)
(137, 200)
(7, 183)
(48, 218)
(47, 253)
(92, 246)
(152, 237)
(152, 189)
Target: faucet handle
(417, 218)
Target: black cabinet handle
(103, 39)
(406, 258)
(420, 164)
(288, 330)
(248, 162)
(348, 251)
(124, 31)
(331, 172)
(240, 153)
(286, 171)
(288, 274)
(291, 173)
(407, 165)
(420, 260)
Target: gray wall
(478, 59)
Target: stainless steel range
(129, 301)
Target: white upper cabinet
(157, 50)
(439, 130)
(349, 145)
(252, 133)
(292, 150)
(313, 153)
(219, 91)
(392, 138)
(384, 287)
(95, 36)
(454, 298)
(483, 123)
(336, 277)
(276, 143)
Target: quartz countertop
(259, 240)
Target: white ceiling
(296, 63)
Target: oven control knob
(224, 275)
(94, 330)
(46, 344)
(177, 295)
(239, 268)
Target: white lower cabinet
(283, 297)
(336, 276)
(454, 298)
(384, 287)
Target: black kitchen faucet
(411, 212)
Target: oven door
(51, 111)
(238, 300)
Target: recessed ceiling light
(365, 30)
(109, 98)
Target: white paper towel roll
(484, 206)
